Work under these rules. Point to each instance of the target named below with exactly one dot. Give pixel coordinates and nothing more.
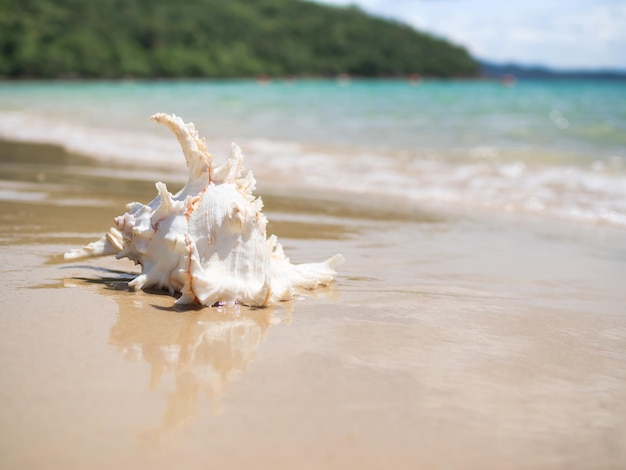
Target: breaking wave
(595, 193)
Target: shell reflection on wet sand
(208, 241)
(203, 351)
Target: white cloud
(557, 33)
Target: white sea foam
(593, 195)
(104, 143)
(596, 194)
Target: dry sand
(448, 341)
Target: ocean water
(552, 148)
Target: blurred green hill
(213, 38)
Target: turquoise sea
(552, 148)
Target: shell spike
(166, 204)
(248, 184)
(166, 197)
(139, 282)
(230, 171)
(335, 262)
(199, 160)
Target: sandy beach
(450, 339)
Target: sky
(562, 34)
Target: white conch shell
(208, 241)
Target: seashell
(208, 241)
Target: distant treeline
(213, 38)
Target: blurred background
(211, 38)
(514, 107)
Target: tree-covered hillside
(212, 38)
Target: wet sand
(449, 340)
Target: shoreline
(567, 182)
(276, 189)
